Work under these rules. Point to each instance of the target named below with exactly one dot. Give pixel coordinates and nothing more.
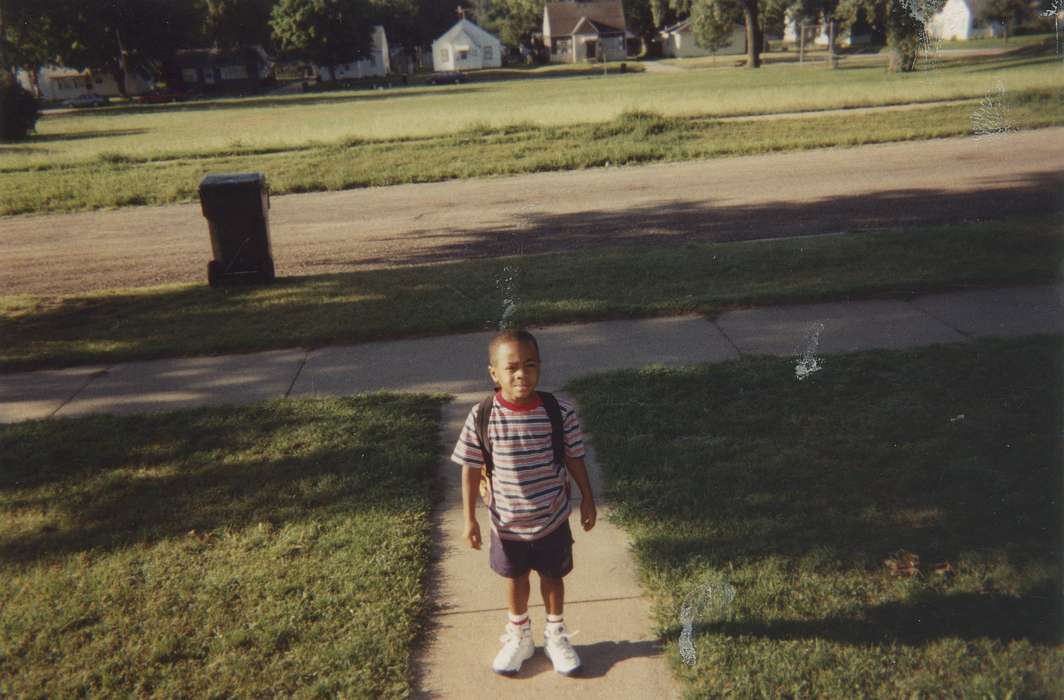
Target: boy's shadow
(595, 659)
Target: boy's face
(515, 368)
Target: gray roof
(563, 18)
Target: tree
(639, 19)
(30, 33)
(230, 23)
(18, 109)
(517, 20)
(905, 21)
(116, 34)
(328, 32)
(713, 21)
(1007, 12)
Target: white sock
(554, 622)
(518, 620)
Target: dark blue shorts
(550, 556)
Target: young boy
(529, 502)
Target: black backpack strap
(483, 417)
(557, 427)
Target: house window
(372, 60)
(445, 55)
(560, 46)
(462, 55)
(189, 75)
(488, 53)
(233, 72)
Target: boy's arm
(470, 493)
(588, 512)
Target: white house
(959, 19)
(62, 83)
(817, 32)
(678, 41)
(465, 46)
(585, 31)
(377, 64)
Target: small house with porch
(465, 46)
(242, 69)
(678, 41)
(574, 32)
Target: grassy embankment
(273, 550)
(789, 497)
(182, 320)
(158, 155)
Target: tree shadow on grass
(159, 476)
(951, 453)
(82, 135)
(1032, 616)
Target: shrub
(19, 110)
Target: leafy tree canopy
(328, 32)
(229, 23)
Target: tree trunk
(121, 69)
(35, 79)
(754, 38)
(833, 59)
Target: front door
(591, 47)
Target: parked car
(89, 99)
(447, 78)
(161, 96)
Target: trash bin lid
(233, 181)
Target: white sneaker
(560, 652)
(516, 649)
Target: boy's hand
(472, 534)
(588, 513)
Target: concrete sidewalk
(456, 364)
(621, 656)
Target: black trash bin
(237, 210)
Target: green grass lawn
(156, 153)
(276, 550)
(795, 493)
(114, 180)
(999, 42)
(183, 320)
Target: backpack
(554, 412)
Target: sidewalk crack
(726, 336)
(299, 370)
(88, 380)
(966, 336)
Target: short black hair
(510, 336)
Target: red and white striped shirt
(530, 493)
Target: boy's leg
(517, 592)
(553, 590)
(553, 560)
(508, 560)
